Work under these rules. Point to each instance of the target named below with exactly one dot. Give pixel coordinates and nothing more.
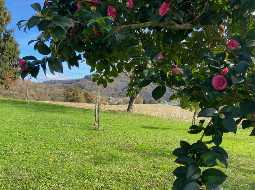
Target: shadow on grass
(38, 107)
(156, 128)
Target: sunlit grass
(53, 147)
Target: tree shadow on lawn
(156, 128)
(37, 107)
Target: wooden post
(97, 110)
(27, 91)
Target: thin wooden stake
(97, 110)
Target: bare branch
(168, 25)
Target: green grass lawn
(52, 147)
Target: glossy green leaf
(158, 92)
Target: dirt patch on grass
(158, 110)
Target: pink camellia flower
(22, 62)
(78, 6)
(160, 56)
(23, 65)
(164, 8)
(224, 71)
(95, 2)
(219, 82)
(176, 70)
(233, 44)
(112, 12)
(130, 4)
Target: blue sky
(21, 9)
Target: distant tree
(140, 74)
(8, 50)
(133, 92)
(73, 95)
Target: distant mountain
(58, 90)
(116, 89)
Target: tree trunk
(27, 91)
(131, 103)
(97, 110)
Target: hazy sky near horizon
(20, 10)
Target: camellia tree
(203, 49)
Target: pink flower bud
(160, 56)
(164, 8)
(23, 65)
(224, 71)
(219, 82)
(112, 12)
(130, 4)
(233, 44)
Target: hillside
(117, 89)
(115, 93)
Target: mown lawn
(52, 147)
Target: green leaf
(62, 21)
(179, 184)
(209, 159)
(217, 138)
(24, 75)
(195, 129)
(158, 92)
(37, 7)
(44, 68)
(33, 21)
(42, 48)
(214, 187)
(185, 144)
(222, 155)
(33, 58)
(185, 160)
(43, 25)
(242, 67)
(247, 107)
(55, 66)
(207, 112)
(229, 125)
(193, 172)
(35, 71)
(144, 83)
(251, 43)
(180, 172)
(213, 176)
(247, 124)
(252, 132)
(180, 152)
(199, 147)
(192, 186)
(58, 33)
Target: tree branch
(168, 25)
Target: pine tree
(8, 49)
